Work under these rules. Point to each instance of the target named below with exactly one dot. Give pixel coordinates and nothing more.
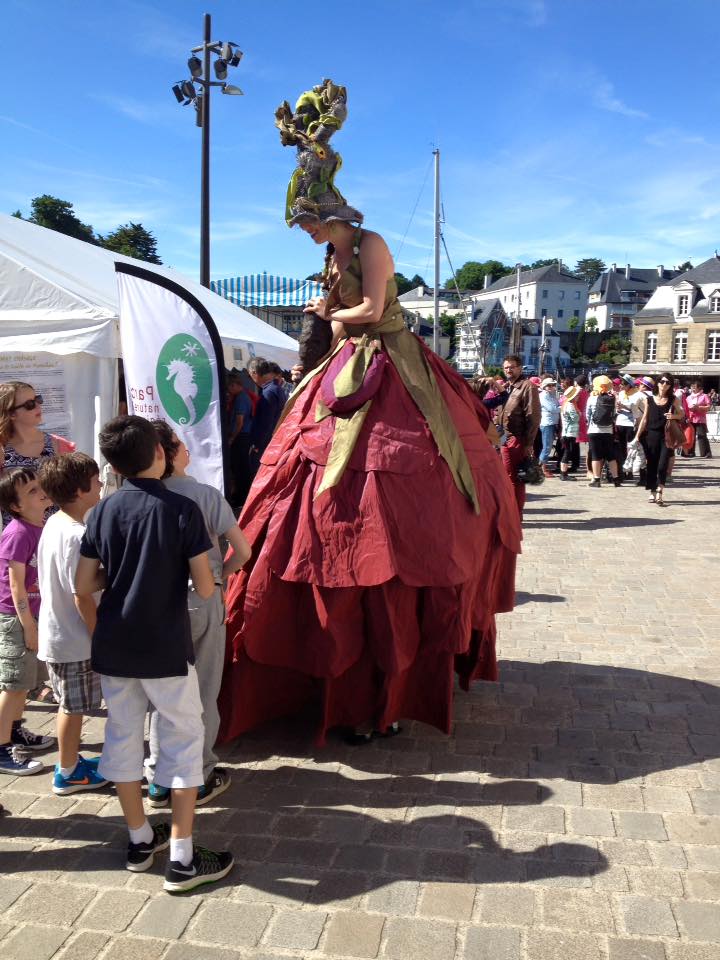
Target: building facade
(679, 328)
(551, 293)
(618, 294)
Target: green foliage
(471, 276)
(573, 323)
(132, 240)
(448, 325)
(591, 324)
(684, 267)
(589, 269)
(55, 214)
(536, 264)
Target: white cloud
(605, 99)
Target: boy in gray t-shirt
(207, 617)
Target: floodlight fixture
(236, 57)
(188, 89)
(195, 67)
(177, 90)
(226, 51)
(231, 90)
(220, 67)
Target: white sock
(68, 771)
(143, 834)
(181, 850)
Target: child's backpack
(603, 414)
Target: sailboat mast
(436, 285)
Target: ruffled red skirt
(366, 600)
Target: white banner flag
(173, 362)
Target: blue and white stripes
(263, 290)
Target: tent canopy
(59, 295)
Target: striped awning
(264, 290)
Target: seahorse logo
(184, 379)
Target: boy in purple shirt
(22, 496)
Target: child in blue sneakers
(67, 621)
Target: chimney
(487, 281)
(613, 268)
(560, 266)
(627, 271)
(661, 271)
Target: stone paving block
(702, 886)
(33, 942)
(58, 905)
(626, 852)
(590, 822)
(647, 916)
(507, 905)
(703, 858)
(295, 929)
(640, 826)
(449, 901)
(135, 948)
(691, 951)
(397, 898)
(635, 950)
(419, 939)
(165, 918)
(193, 951)
(113, 910)
(693, 829)
(706, 802)
(668, 855)
(10, 889)
(353, 934)
(557, 945)
(85, 945)
(577, 910)
(539, 819)
(655, 882)
(229, 924)
(492, 943)
(698, 921)
(667, 800)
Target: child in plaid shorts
(66, 621)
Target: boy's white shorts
(180, 729)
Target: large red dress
(366, 599)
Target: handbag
(530, 472)
(674, 435)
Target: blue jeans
(548, 435)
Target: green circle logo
(184, 379)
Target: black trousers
(659, 457)
(701, 438)
(240, 469)
(623, 436)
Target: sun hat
(601, 383)
(617, 381)
(548, 382)
(648, 382)
(571, 392)
(630, 381)
(536, 381)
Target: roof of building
(426, 293)
(549, 274)
(533, 328)
(484, 309)
(610, 283)
(663, 302)
(706, 272)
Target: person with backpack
(600, 413)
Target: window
(680, 345)
(561, 314)
(545, 295)
(650, 346)
(715, 303)
(683, 304)
(576, 313)
(578, 294)
(543, 312)
(562, 295)
(713, 345)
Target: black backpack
(603, 414)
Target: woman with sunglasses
(662, 406)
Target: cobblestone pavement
(573, 815)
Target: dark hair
(696, 382)
(480, 385)
(581, 380)
(63, 478)
(513, 358)
(169, 442)
(9, 483)
(663, 376)
(260, 366)
(275, 368)
(128, 444)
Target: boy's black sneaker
(141, 855)
(216, 783)
(26, 740)
(206, 866)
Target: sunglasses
(666, 382)
(30, 404)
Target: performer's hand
(316, 305)
(297, 373)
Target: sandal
(653, 497)
(660, 502)
(354, 739)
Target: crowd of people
(630, 428)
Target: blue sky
(567, 128)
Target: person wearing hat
(600, 412)
(549, 419)
(629, 406)
(569, 428)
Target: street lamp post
(186, 92)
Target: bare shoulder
(373, 242)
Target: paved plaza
(574, 814)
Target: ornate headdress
(312, 194)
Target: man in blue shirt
(240, 418)
(268, 410)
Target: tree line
(129, 239)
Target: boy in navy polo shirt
(148, 541)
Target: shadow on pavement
(599, 523)
(522, 597)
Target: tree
(416, 281)
(684, 267)
(589, 269)
(471, 276)
(132, 240)
(591, 324)
(536, 264)
(403, 284)
(55, 214)
(573, 323)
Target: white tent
(59, 325)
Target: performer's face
(318, 231)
